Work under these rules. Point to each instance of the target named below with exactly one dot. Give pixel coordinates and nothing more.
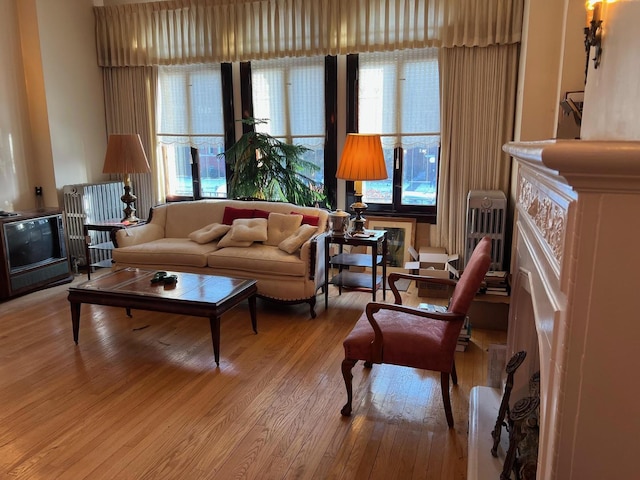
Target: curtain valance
(197, 31)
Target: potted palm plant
(267, 168)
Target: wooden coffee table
(194, 294)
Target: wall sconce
(593, 34)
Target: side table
(111, 226)
(377, 241)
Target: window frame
(331, 115)
(424, 213)
(226, 77)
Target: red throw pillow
(308, 219)
(231, 213)
(261, 214)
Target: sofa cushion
(209, 233)
(258, 258)
(249, 230)
(259, 213)
(165, 251)
(281, 226)
(227, 241)
(297, 239)
(308, 219)
(232, 213)
(180, 218)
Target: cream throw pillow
(281, 226)
(209, 233)
(295, 241)
(226, 241)
(249, 230)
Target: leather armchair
(401, 335)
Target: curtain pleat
(478, 87)
(129, 104)
(477, 84)
(200, 31)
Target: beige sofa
(178, 236)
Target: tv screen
(32, 242)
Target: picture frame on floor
(401, 234)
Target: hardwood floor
(141, 398)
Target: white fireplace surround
(574, 305)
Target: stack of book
(429, 307)
(465, 333)
(465, 336)
(496, 282)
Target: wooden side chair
(412, 337)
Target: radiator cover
(90, 203)
(486, 216)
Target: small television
(34, 253)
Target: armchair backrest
(471, 277)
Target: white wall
(553, 62)
(73, 87)
(52, 121)
(15, 184)
(52, 129)
(540, 67)
(612, 93)
(40, 157)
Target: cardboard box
(434, 262)
(489, 312)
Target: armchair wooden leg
(446, 400)
(347, 365)
(454, 375)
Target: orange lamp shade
(362, 158)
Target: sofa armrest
(314, 251)
(139, 234)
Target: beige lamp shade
(125, 154)
(362, 158)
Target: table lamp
(125, 155)
(362, 159)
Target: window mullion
(287, 105)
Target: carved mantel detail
(575, 203)
(548, 217)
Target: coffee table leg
(75, 319)
(215, 336)
(252, 310)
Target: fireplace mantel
(575, 302)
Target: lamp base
(359, 208)
(129, 211)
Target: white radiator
(90, 203)
(486, 216)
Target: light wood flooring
(141, 397)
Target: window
(290, 94)
(190, 126)
(397, 95)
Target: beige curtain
(198, 31)
(478, 87)
(130, 108)
(477, 84)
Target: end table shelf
(377, 241)
(355, 280)
(110, 226)
(104, 246)
(354, 259)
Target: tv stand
(33, 252)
